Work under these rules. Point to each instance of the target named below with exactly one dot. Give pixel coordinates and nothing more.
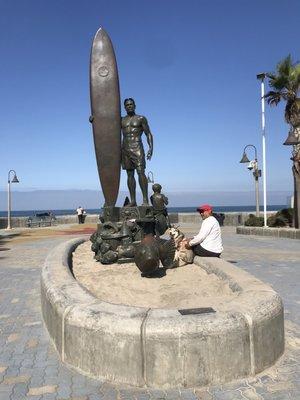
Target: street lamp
(262, 77)
(9, 181)
(256, 172)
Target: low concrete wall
(289, 233)
(73, 219)
(16, 222)
(20, 222)
(161, 347)
(231, 219)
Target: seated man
(208, 242)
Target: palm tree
(285, 84)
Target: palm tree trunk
(296, 173)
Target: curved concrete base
(161, 347)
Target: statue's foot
(145, 203)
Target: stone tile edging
(160, 347)
(288, 233)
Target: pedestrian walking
(80, 214)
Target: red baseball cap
(204, 207)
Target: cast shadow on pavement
(4, 241)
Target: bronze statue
(151, 251)
(120, 228)
(133, 155)
(159, 202)
(158, 199)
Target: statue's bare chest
(130, 124)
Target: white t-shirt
(209, 236)
(79, 211)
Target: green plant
(286, 84)
(282, 218)
(254, 221)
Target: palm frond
(295, 78)
(285, 66)
(288, 111)
(279, 82)
(292, 112)
(273, 98)
(285, 81)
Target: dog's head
(175, 233)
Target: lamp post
(256, 173)
(262, 77)
(14, 180)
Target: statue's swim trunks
(133, 156)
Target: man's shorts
(133, 158)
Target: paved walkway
(30, 368)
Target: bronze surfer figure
(133, 155)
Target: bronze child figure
(159, 202)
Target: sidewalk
(30, 368)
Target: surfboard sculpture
(106, 114)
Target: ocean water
(218, 209)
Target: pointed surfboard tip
(100, 36)
(100, 31)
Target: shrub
(282, 218)
(254, 221)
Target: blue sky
(191, 67)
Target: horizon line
(124, 190)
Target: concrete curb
(160, 347)
(288, 233)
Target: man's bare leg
(132, 187)
(143, 181)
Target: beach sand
(185, 287)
